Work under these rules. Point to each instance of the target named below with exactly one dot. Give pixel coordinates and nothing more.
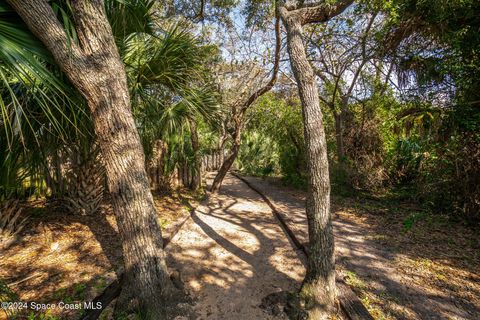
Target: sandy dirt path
(375, 263)
(232, 253)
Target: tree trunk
(196, 181)
(339, 118)
(221, 143)
(228, 162)
(318, 288)
(239, 117)
(146, 270)
(94, 67)
(159, 181)
(185, 174)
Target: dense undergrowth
(422, 156)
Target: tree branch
(365, 58)
(200, 16)
(85, 14)
(38, 15)
(320, 13)
(276, 67)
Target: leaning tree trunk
(239, 118)
(146, 275)
(94, 67)
(318, 288)
(221, 144)
(228, 162)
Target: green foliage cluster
(447, 155)
(40, 110)
(259, 154)
(273, 140)
(7, 295)
(42, 117)
(426, 141)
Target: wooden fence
(213, 160)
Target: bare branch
(276, 67)
(365, 58)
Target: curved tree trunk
(318, 287)
(239, 117)
(228, 162)
(96, 70)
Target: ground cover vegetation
(117, 108)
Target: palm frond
(129, 17)
(31, 86)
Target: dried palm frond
(11, 222)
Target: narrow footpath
(376, 263)
(232, 253)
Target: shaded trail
(374, 262)
(233, 253)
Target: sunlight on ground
(238, 254)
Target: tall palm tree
(171, 92)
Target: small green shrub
(409, 222)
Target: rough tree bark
(228, 162)
(240, 115)
(96, 70)
(159, 181)
(318, 288)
